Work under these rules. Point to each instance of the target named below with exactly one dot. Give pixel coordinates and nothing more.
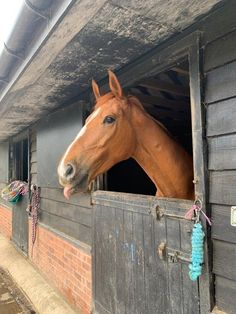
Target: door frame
(158, 60)
(20, 226)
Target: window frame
(16, 156)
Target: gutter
(35, 22)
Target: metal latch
(161, 212)
(175, 256)
(172, 255)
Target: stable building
(101, 249)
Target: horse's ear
(96, 89)
(115, 85)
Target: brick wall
(65, 266)
(5, 221)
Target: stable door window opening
(166, 97)
(19, 165)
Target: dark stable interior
(20, 163)
(165, 96)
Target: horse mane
(136, 101)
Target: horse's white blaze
(61, 167)
(93, 115)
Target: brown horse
(119, 128)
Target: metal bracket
(172, 255)
(175, 256)
(161, 212)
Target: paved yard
(12, 300)
(44, 298)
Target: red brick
(5, 222)
(67, 267)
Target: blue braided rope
(197, 252)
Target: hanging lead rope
(13, 192)
(34, 210)
(197, 240)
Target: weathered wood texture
(33, 157)
(73, 217)
(54, 135)
(220, 52)
(222, 152)
(70, 217)
(224, 259)
(222, 187)
(225, 294)
(221, 83)
(220, 92)
(20, 224)
(221, 227)
(129, 275)
(221, 118)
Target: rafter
(159, 85)
(175, 105)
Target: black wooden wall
(220, 99)
(33, 157)
(49, 139)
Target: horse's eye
(109, 120)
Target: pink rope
(195, 209)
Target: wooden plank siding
(225, 294)
(221, 227)
(219, 121)
(73, 217)
(33, 158)
(220, 99)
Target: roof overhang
(77, 41)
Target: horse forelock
(103, 99)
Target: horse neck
(165, 161)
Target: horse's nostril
(69, 170)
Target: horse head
(106, 139)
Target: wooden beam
(180, 71)
(160, 113)
(159, 85)
(175, 105)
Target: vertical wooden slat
(129, 258)
(174, 269)
(155, 268)
(163, 294)
(151, 279)
(108, 275)
(120, 262)
(139, 274)
(20, 224)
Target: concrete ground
(12, 300)
(44, 298)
